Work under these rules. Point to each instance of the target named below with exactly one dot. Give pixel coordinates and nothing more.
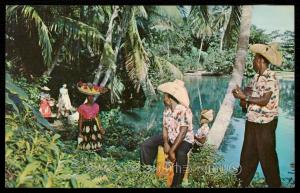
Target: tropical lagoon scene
(149, 96)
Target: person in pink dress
(90, 128)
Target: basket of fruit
(90, 89)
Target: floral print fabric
(260, 85)
(173, 120)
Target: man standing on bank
(177, 137)
(261, 99)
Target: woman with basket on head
(90, 127)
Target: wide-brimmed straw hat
(177, 90)
(207, 114)
(45, 88)
(90, 89)
(270, 52)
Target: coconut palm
(231, 29)
(107, 56)
(222, 120)
(208, 20)
(221, 15)
(136, 58)
(201, 24)
(165, 20)
(53, 23)
(31, 17)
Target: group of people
(63, 105)
(90, 128)
(260, 98)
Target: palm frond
(204, 13)
(107, 10)
(200, 12)
(136, 59)
(108, 56)
(141, 11)
(167, 15)
(11, 10)
(184, 11)
(233, 24)
(94, 15)
(221, 17)
(78, 30)
(200, 21)
(29, 14)
(117, 88)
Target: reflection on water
(212, 91)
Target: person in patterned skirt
(90, 128)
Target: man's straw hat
(177, 90)
(270, 52)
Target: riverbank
(280, 74)
(202, 73)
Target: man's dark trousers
(259, 146)
(149, 152)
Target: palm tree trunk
(106, 77)
(107, 39)
(168, 48)
(222, 120)
(54, 63)
(200, 49)
(55, 60)
(111, 73)
(90, 50)
(225, 25)
(221, 40)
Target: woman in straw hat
(90, 127)
(261, 99)
(177, 137)
(206, 116)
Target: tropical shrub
(207, 171)
(219, 61)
